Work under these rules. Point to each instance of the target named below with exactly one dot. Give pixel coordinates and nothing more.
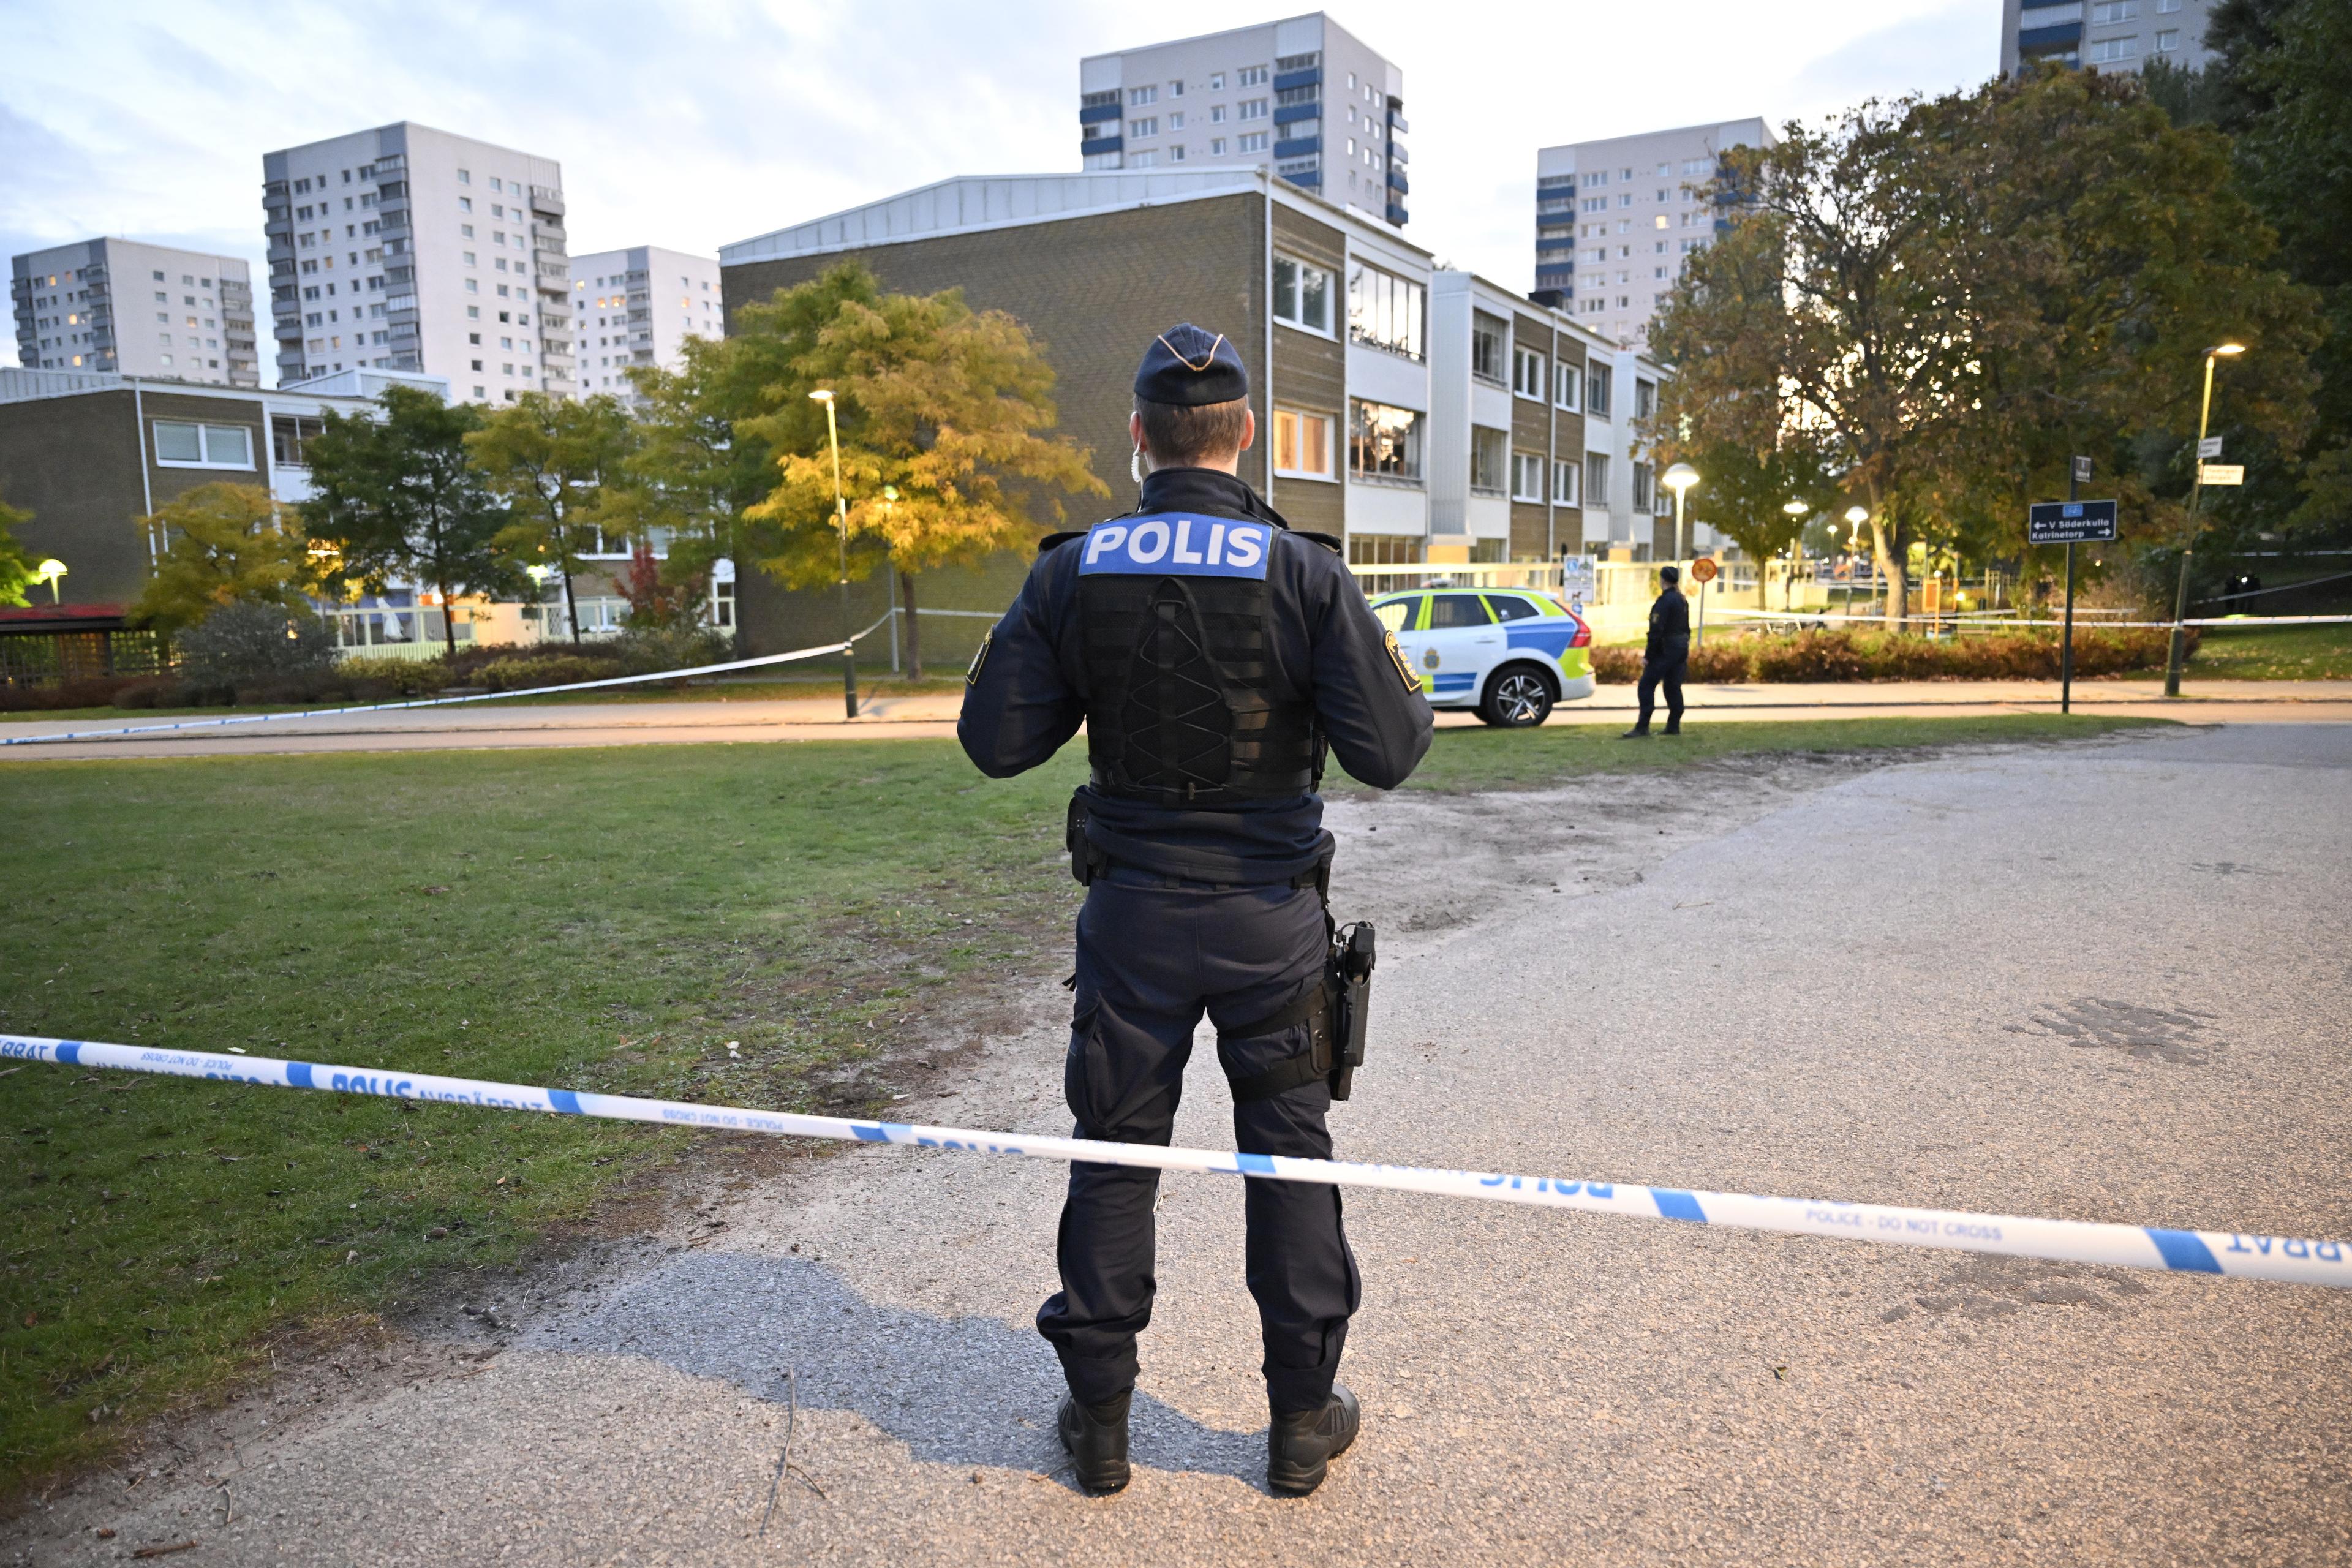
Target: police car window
(1508, 608)
(1459, 610)
(1396, 614)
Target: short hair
(1177, 436)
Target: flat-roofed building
(130, 308)
(637, 306)
(2112, 34)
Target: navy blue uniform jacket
(1024, 702)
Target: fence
(53, 657)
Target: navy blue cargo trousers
(1155, 953)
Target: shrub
(644, 651)
(1849, 655)
(400, 677)
(542, 669)
(249, 641)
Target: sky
(696, 122)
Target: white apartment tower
(1615, 219)
(638, 306)
(136, 309)
(409, 248)
(1302, 97)
(2113, 35)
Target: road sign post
(1703, 569)
(2070, 522)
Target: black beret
(1188, 366)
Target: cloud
(1954, 47)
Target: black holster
(1086, 862)
(1336, 1010)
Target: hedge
(1831, 656)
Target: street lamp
(2178, 653)
(1855, 516)
(50, 571)
(1679, 479)
(539, 573)
(1794, 509)
(841, 515)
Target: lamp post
(1679, 479)
(50, 571)
(1797, 510)
(1855, 516)
(538, 574)
(2179, 652)
(840, 516)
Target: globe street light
(1794, 509)
(1679, 479)
(1855, 516)
(2177, 653)
(841, 515)
(50, 571)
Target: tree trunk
(448, 620)
(571, 605)
(914, 626)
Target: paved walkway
(521, 724)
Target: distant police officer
(1665, 658)
(1212, 655)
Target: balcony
(2038, 40)
(1095, 114)
(1306, 179)
(1398, 215)
(547, 199)
(1100, 145)
(1396, 121)
(1290, 113)
(279, 227)
(1311, 77)
(1301, 147)
(1399, 184)
(1396, 151)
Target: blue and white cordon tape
(2073, 1241)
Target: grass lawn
(604, 919)
(2272, 653)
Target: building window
(1384, 310)
(1302, 295)
(1251, 109)
(2168, 39)
(186, 446)
(1216, 146)
(1486, 335)
(1302, 445)
(1596, 478)
(1383, 443)
(1597, 378)
(1489, 460)
(1143, 127)
(1144, 160)
(1563, 482)
(2106, 13)
(1642, 490)
(1563, 384)
(1645, 398)
(2105, 51)
(289, 433)
(1137, 97)
(1528, 372)
(1250, 76)
(1252, 142)
(1385, 549)
(1527, 477)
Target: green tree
(16, 565)
(705, 455)
(941, 412)
(224, 544)
(1742, 493)
(1950, 298)
(397, 497)
(550, 460)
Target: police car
(1508, 653)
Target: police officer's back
(1665, 655)
(1214, 655)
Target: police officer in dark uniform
(1214, 655)
(1665, 658)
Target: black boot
(1673, 727)
(1638, 732)
(1299, 1448)
(1096, 1435)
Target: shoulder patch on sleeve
(972, 675)
(1335, 546)
(1396, 656)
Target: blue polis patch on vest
(1182, 542)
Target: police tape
(2082, 623)
(2240, 1256)
(765, 659)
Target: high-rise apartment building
(409, 248)
(137, 310)
(2113, 35)
(1302, 97)
(638, 306)
(1615, 220)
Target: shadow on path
(961, 1391)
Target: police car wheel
(1517, 698)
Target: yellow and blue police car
(1510, 654)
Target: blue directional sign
(2070, 522)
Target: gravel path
(2106, 982)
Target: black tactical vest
(1182, 700)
